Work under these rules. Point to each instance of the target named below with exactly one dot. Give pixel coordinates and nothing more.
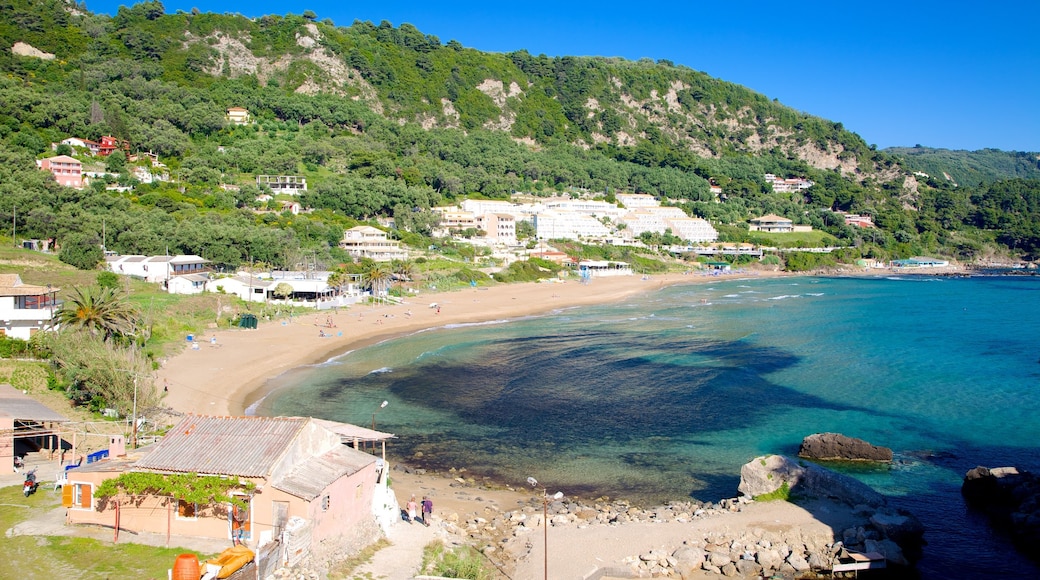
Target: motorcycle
(30, 485)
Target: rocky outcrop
(24, 49)
(892, 532)
(1012, 500)
(838, 447)
(765, 475)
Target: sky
(954, 75)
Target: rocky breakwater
(895, 534)
(1011, 498)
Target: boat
(228, 562)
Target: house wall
(6, 444)
(350, 504)
(159, 515)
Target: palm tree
(99, 311)
(378, 277)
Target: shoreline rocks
(1011, 499)
(838, 447)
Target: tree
(81, 251)
(283, 290)
(99, 312)
(116, 162)
(63, 149)
(378, 277)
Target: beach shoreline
(226, 371)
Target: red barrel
(186, 567)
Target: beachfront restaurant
(600, 268)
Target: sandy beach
(228, 369)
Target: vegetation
(188, 487)
(969, 168)
(598, 125)
(782, 493)
(459, 562)
(74, 558)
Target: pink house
(66, 170)
(309, 483)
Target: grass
(70, 557)
(462, 562)
(782, 493)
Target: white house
(245, 286)
(370, 242)
(156, 268)
(187, 284)
(25, 309)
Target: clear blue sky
(949, 74)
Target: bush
(108, 280)
(461, 562)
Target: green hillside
(388, 121)
(969, 168)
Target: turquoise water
(666, 395)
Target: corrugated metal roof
(350, 432)
(240, 446)
(16, 405)
(308, 479)
(12, 285)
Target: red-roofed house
(307, 479)
(110, 144)
(66, 170)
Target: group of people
(413, 507)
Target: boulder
(767, 474)
(1011, 498)
(838, 447)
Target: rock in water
(835, 446)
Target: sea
(665, 395)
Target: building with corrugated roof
(305, 470)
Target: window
(325, 504)
(186, 510)
(77, 495)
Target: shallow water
(665, 396)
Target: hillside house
(238, 116)
(85, 145)
(782, 185)
(110, 145)
(373, 243)
(771, 223)
(157, 268)
(66, 170)
(187, 284)
(25, 309)
(303, 469)
(283, 184)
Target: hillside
(969, 167)
(387, 121)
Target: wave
(381, 370)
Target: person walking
(412, 508)
(427, 510)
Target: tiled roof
(240, 446)
(308, 479)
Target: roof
(192, 277)
(240, 446)
(771, 218)
(12, 285)
(351, 432)
(17, 405)
(310, 478)
(64, 159)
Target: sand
(229, 368)
(227, 375)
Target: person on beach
(427, 510)
(412, 508)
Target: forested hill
(388, 121)
(406, 75)
(969, 167)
